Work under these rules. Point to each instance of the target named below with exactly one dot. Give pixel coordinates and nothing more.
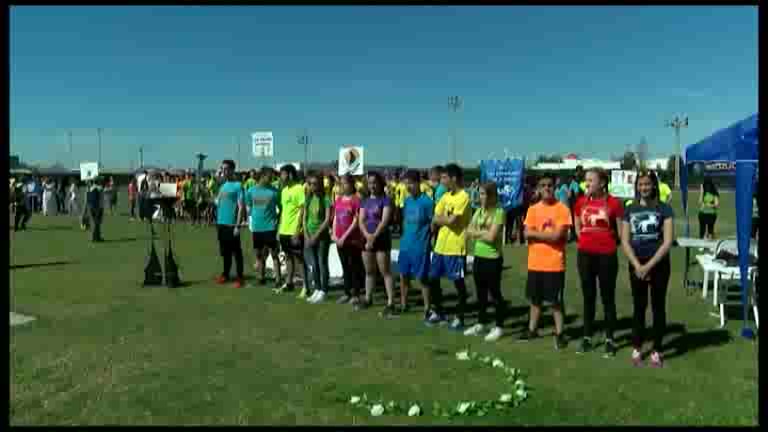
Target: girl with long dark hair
(646, 237)
(317, 220)
(375, 217)
(349, 244)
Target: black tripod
(153, 273)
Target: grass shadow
(53, 228)
(49, 264)
(121, 240)
(692, 341)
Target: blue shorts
(450, 267)
(413, 264)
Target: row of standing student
(307, 224)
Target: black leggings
(487, 274)
(22, 217)
(605, 268)
(354, 272)
(707, 224)
(229, 245)
(657, 286)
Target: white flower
(414, 411)
(354, 400)
(512, 371)
(462, 355)
(485, 359)
(497, 363)
(521, 393)
(506, 397)
(519, 382)
(463, 407)
(377, 410)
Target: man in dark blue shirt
(94, 200)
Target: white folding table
(688, 243)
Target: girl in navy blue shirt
(646, 237)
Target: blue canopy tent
(737, 143)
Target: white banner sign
(263, 144)
(622, 184)
(89, 170)
(351, 160)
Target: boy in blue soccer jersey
(415, 249)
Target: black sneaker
(528, 335)
(388, 312)
(610, 349)
(361, 305)
(403, 309)
(585, 346)
(560, 342)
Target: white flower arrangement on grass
(463, 408)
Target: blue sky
(178, 80)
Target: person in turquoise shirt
(261, 202)
(230, 211)
(561, 191)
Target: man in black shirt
(94, 202)
(19, 202)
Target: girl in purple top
(375, 216)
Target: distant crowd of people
(440, 223)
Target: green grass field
(104, 350)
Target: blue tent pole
(745, 174)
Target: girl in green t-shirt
(709, 201)
(485, 231)
(317, 221)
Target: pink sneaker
(637, 358)
(656, 360)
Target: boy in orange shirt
(546, 229)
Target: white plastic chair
(733, 273)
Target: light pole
(454, 105)
(98, 132)
(239, 160)
(303, 139)
(141, 156)
(71, 157)
(677, 123)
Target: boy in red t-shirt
(597, 215)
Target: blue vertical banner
(508, 175)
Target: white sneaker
(474, 330)
(311, 299)
(318, 298)
(494, 334)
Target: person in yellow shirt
(401, 194)
(665, 192)
(361, 187)
(329, 182)
(426, 188)
(452, 217)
